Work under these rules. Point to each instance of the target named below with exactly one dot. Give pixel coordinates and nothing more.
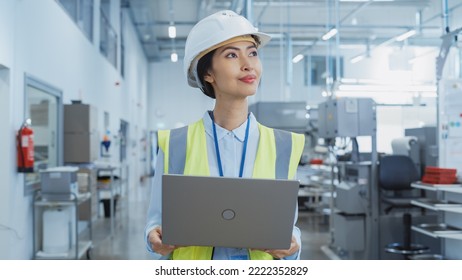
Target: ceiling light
(174, 57)
(297, 58)
(330, 34)
(405, 35)
(356, 59)
(172, 31)
(354, 21)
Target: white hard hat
(211, 31)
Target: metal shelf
(424, 231)
(80, 199)
(310, 192)
(324, 183)
(445, 231)
(427, 204)
(83, 248)
(454, 188)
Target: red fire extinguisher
(25, 148)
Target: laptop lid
(228, 212)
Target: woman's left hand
(279, 254)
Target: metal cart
(77, 232)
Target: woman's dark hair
(205, 64)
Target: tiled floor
(128, 244)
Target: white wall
(172, 103)
(9, 229)
(450, 141)
(7, 12)
(48, 45)
(135, 90)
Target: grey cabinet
(81, 139)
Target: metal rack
(316, 183)
(81, 245)
(439, 230)
(113, 187)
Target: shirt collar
(239, 132)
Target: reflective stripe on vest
(185, 152)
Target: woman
(221, 59)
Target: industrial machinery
(420, 145)
(427, 148)
(360, 229)
(352, 210)
(354, 222)
(347, 117)
(289, 116)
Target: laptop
(228, 212)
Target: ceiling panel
(360, 22)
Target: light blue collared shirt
(231, 144)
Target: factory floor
(127, 242)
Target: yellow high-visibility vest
(185, 152)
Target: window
(44, 108)
(318, 69)
(122, 45)
(81, 12)
(123, 136)
(108, 35)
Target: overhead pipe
(201, 9)
(355, 11)
(248, 10)
(281, 54)
(307, 77)
(337, 41)
(329, 80)
(289, 64)
(418, 22)
(289, 52)
(237, 6)
(445, 14)
(234, 5)
(292, 25)
(263, 10)
(455, 7)
(314, 42)
(338, 23)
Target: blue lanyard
(217, 149)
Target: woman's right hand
(155, 238)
